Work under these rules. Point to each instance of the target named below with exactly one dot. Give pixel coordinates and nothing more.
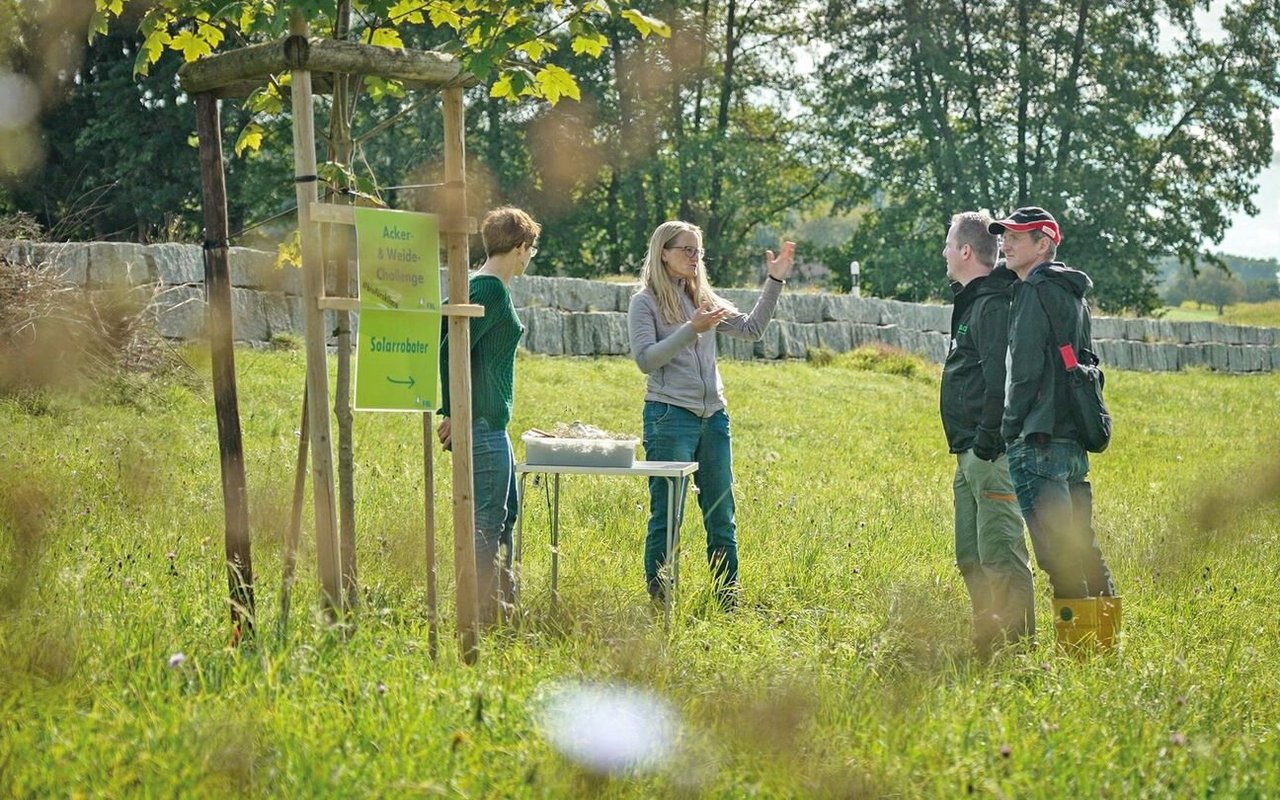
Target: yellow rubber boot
(1087, 624)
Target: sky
(1259, 237)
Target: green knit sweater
(494, 338)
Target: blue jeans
(1057, 503)
(672, 433)
(494, 473)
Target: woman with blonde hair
(673, 320)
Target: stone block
(805, 308)
(744, 299)
(68, 260)
(1108, 328)
(181, 312)
(1203, 332)
(1218, 356)
(544, 330)
(248, 318)
(1107, 351)
(1235, 334)
(286, 278)
(847, 308)
(252, 269)
(176, 264)
(576, 294)
(116, 264)
(592, 333)
(276, 309)
(1162, 357)
(534, 291)
(834, 336)
(931, 318)
(735, 347)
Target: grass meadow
(844, 674)
(1266, 314)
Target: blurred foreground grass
(844, 674)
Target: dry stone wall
(572, 316)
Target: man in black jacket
(1047, 461)
(991, 551)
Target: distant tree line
(856, 127)
(1234, 280)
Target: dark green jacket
(494, 338)
(1035, 400)
(974, 374)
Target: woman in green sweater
(510, 242)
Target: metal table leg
(555, 541)
(517, 536)
(675, 503)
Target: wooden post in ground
(464, 544)
(328, 552)
(295, 521)
(429, 492)
(217, 281)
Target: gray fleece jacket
(681, 364)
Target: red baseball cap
(1031, 218)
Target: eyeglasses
(689, 250)
(533, 250)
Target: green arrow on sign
(408, 383)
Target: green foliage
(121, 162)
(843, 674)
(1138, 132)
(505, 41)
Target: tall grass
(844, 673)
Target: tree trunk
(1070, 97)
(974, 79)
(1024, 97)
(341, 151)
(715, 222)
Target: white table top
(650, 469)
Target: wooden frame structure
(237, 73)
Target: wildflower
(1179, 738)
(176, 660)
(1005, 751)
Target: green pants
(991, 551)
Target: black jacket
(974, 374)
(1035, 401)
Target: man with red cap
(1047, 461)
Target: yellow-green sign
(398, 347)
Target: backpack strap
(1065, 349)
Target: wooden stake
(295, 520)
(429, 498)
(464, 544)
(217, 281)
(304, 158)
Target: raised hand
(779, 268)
(708, 316)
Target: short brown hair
(1053, 246)
(972, 228)
(505, 229)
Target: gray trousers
(991, 551)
